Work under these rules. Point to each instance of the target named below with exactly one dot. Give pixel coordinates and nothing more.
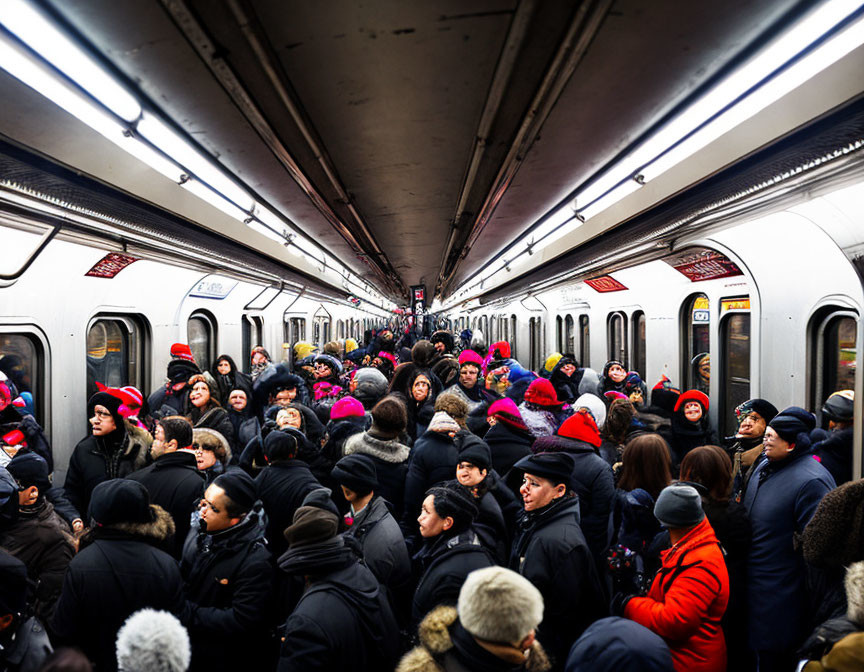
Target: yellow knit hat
(551, 361)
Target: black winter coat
(384, 551)
(229, 583)
(162, 403)
(93, 461)
(595, 486)
(835, 453)
(551, 552)
(508, 445)
(391, 465)
(175, 484)
(686, 435)
(281, 487)
(443, 564)
(215, 418)
(41, 540)
(342, 622)
(118, 570)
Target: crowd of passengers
(427, 505)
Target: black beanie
(556, 467)
(110, 402)
(792, 421)
(30, 469)
(389, 416)
(452, 500)
(120, 501)
(280, 445)
(356, 472)
(477, 453)
(765, 409)
(239, 488)
(312, 525)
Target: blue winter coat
(779, 506)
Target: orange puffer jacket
(687, 600)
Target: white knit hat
(499, 605)
(442, 422)
(153, 641)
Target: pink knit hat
(347, 407)
(470, 357)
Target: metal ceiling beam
(360, 238)
(583, 27)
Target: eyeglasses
(101, 414)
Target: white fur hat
(499, 605)
(854, 585)
(153, 641)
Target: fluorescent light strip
(610, 199)
(205, 193)
(201, 166)
(265, 230)
(40, 34)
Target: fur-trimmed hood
(855, 593)
(435, 642)
(387, 450)
(157, 532)
(141, 440)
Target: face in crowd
(284, 397)
(753, 425)
(322, 371)
(213, 510)
(204, 458)
(420, 388)
(468, 376)
(288, 417)
(200, 394)
(102, 421)
(223, 367)
(237, 400)
(469, 474)
(775, 447)
(693, 411)
(538, 492)
(568, 370)
(617, 373)
(431, 524)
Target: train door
(617, 338)
(118, 352)
(833, 354)
(695, 333)
(253, 335)
(584, 340)
(735, 363)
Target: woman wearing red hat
(691, 427)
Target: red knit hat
(347, 407)
(470, 357)
(581, 426)
(692, 395)
(507, 411)
(502, 347)
(182, 351)
(542, 393)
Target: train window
(569, 335)
(584, 340)
(201, 333)
(252, 335)
(559, 335)
(638, 347)
(735, 383)
(617, 332)
(836, 354)
(695, 326)
(321, 327)
(116, 353)
(22, 360)
(513, 338)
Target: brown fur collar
(157, 532)
(140, 441)
(435, 642)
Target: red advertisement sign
(709, 265)
(605, 283)
(110, 265)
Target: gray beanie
(499, 605)
(679, 506)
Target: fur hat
(499, 605)
(453, 406)
(834, 537)
(542, 393)
(581, 426)
(389, 416)
(854, 584)
(153, 641)
(210, 439)
(423, 353)
(347, 407)
(470, 358)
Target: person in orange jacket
(690, 592)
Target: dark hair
(709, 466)
(389, 415)
(646, 464)
(360, 491)
(179, 428)
(233, 509)
(66, 659)
(618, 421)
(453, 501)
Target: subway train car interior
(676, 187)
